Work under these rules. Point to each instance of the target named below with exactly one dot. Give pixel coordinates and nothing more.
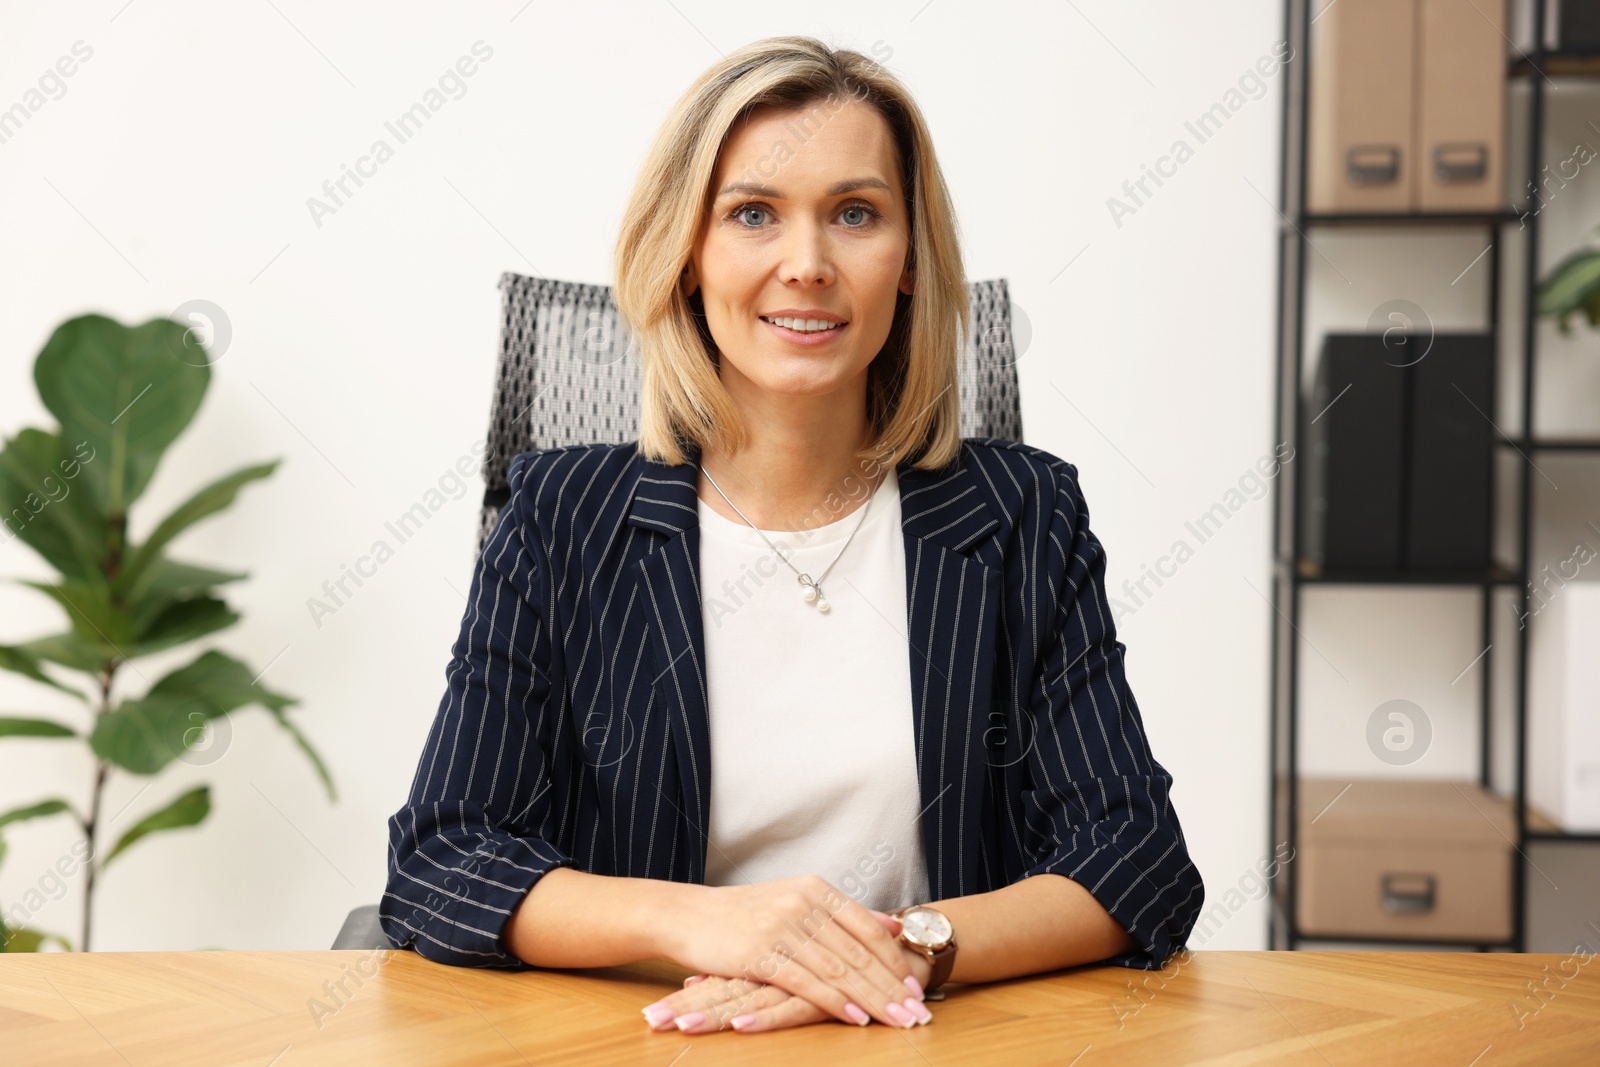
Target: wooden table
(1315, 1008)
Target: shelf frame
(1290, 576)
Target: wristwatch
(928, 931)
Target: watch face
(927, 927)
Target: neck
(798, 467)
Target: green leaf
(90, 612)
(166, 581)
(143, 736)
(1571, 285)
(34, 811)
(188, 810)
(221, 681)
(44, 504)
(213, 498)
(1592, 308)
(14, 727)
(100, 633)
(181, 621)
(128, 392)
(311, 753)
(21, 661)
(68, 651)
(25, 939)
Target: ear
(688, 280)
(908, 281)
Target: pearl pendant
(822, 605)
(808, 589)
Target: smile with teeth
(803, 325)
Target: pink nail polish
(918, 1009)
(694, 1018)
(658, 1014)
(901, 1017)
(857, 1016)
(915, 987)
(739, 1022)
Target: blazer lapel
(667, 585)
(952, 603)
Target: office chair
(569, 375)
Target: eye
(740, 214)
(741, 211)
(871, 212)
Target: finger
(790, 1012)
(856, 969)
(706, 994)
(693, 978)
(877, 934)
(710, 990)
(783, 968)
(717, 1016)
(816, 958)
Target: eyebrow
(838, 189)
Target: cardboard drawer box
(1362, 132)
(1389, 858)
(1406, 106)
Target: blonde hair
(913, 399)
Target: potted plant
(121, 395)
(1573, 286)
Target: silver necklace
(810, 588)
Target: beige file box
(1404, 859)
(1407, 107)
(1360, 136)
(1461, 105)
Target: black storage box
(1399, 454)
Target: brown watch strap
(943, 960)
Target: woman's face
(808, 221)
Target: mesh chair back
(568, 374)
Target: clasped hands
(786, 953)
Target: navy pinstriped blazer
(573, 729)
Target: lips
(828, 321)
(804, 337)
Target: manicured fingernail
(739, 1022)
(915, 986)
(917, 1008)
(694, 1018)
(900, 1016)
(658, 1014)
(692, 979)
(857, 1016)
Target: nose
(807, 256)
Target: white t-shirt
(813, 751)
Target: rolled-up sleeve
(471, 840)
(1094, 782)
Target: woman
(800, 656)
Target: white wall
(177, 167)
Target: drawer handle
(1460, 162)
(1372, 164)
(1405, 894)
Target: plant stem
(90, 866)
(102, 768)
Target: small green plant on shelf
(121, 395)
(1572, 287)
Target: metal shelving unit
(1291, 573)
